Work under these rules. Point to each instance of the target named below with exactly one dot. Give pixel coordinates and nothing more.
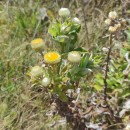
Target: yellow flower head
(52, 57)
(38, 44)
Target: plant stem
(106, 77)
(86, 28)
(107, 68)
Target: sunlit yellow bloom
(52, 57)
(38, 44)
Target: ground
(22, 106)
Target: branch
(86, 28)
(107, 68)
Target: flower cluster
(114, 22)
(64, 63)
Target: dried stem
(106, 77)
(86, 28)
(107, 68)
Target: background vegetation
(23, 107)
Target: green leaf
(65, 28)
(62, 39)
(76, 28)
(73, 38)
(126, 95)
(74, 70)
(98, 87)
(84, 71)
(86, 62)
(83, 62)
(128, 35)
(63, 97)
(81, 49)
(54, 29)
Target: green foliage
(75, 63)
(54, 29)
(65, 33)
(84, 68)
(128, 35)
(19, 24)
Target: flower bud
(123, 21)
(113, 15)
(118, 25)
(76, 20)
(108, 22)
(112, 29)
(127, 126)
(64, 12)
(46, 81)
(105, 49)
(38, 44)
(36, 71)
(65, 29)
(74, 57)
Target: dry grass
(23, 107)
